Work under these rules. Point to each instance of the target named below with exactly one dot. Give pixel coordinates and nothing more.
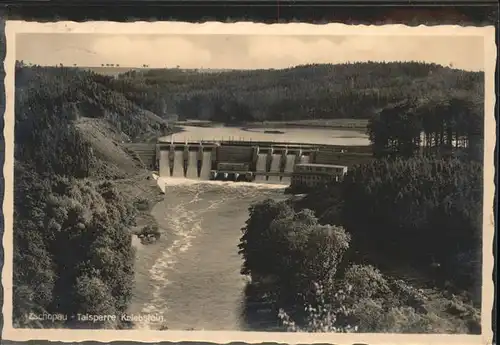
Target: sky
(244, 51)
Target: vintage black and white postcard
(221, 182)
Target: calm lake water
(299, 135)
(191, 276)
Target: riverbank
(143, 192)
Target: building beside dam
(271, 162)
(313, 175)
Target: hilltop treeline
(396, 246)
(446, 123)
(354, 90)
(76, 93)
(72, 238)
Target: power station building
(295, 164)
(313, 175)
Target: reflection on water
(192, 275)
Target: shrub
(142, 204)
(404, 203)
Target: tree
(255, 245)
(72, 240)
(406, 202)
(446, 123)
(290, 253)
(299, 93)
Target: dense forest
(354, 90)
(72, 238)
(73, 218)
(395, 246)
(449, 123)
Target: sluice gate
(240, 160)
(226, 162)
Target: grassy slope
(115, 163)
(114, 160)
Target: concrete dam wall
(241, 161)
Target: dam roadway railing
(266, 144)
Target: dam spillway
(240, 160)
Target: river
(191, 276)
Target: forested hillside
(397, 245)
(72, 225)
(78, 193)
(301, 93)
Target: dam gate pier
(241, 160)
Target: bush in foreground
(298, 265)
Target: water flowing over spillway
(275, 167)
(290, 162)
(192, 168)
(261, 166)
(206, 166)
(178, 164)
(164, 164)
(191, 275)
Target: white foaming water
(164, 164)
(165, 182)
(261, 162)
(184, 224)
(261, 166)
(178, 164)
(206, 165)
(192, 168)
(275, 167)
(290, 162)
(196, 264)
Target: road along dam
(241, 160)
